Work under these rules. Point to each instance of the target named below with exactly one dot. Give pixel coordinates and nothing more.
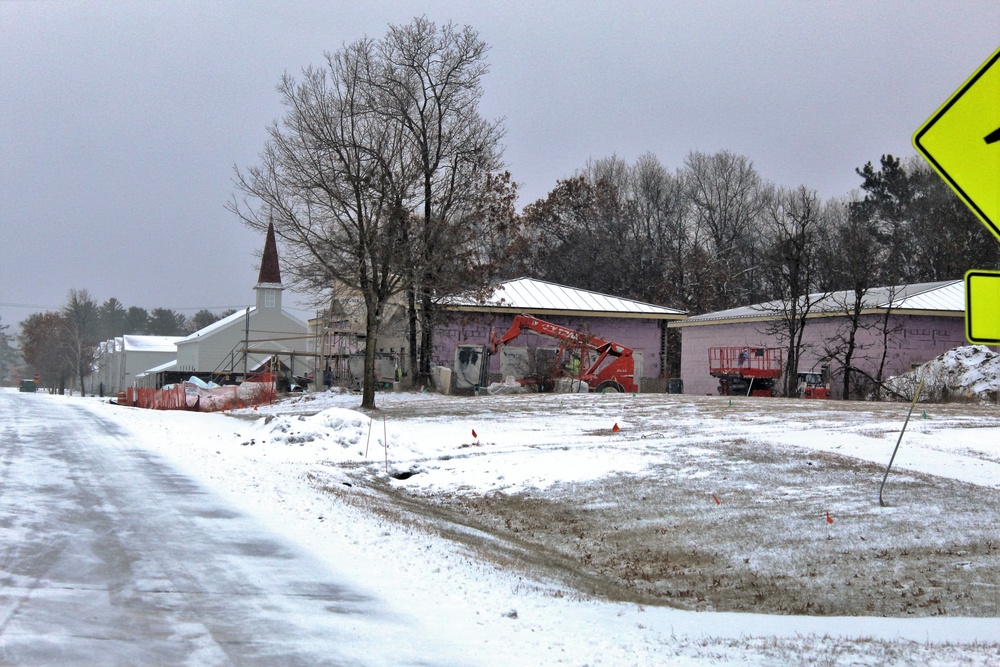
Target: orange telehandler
(604, 365)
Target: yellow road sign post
(961, 141)
(982, 307)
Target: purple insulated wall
(913, 340)
(642, 335)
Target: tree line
(715, 235)
(62, 345)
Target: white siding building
(121, 359)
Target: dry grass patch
(746, 528)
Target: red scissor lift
(745, 371)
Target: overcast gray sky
(121, 122)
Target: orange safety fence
(190, 396)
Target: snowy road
(108, 556)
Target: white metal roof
(940, 297)
(220, 324)
(538, 296)
(238, 316)
(169, 366)
(133, 343)
(937, 296)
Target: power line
(36, 306)
(27, 305)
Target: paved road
(110, 557)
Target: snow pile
(448, 453)
(333, 435)
(510, 386)
(971, 372)
(571, 386)
(564, 385)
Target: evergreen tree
(8, 353)
(201, 319)
(165, 322)
(81, 321)
(113, 319)
(136, 321)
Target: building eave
(774, 317)
(508, 310)
(924, 313)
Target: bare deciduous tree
(430, 78)
(45, 348)
(794, 230)
(334, 179)
(727, 199)
(853, 261)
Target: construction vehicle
(745, 371)
(603, 365)
(812, 385)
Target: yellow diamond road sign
(982, 307)
(962, 142)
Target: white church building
(250, 339)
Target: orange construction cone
(829, 519)
(474, 433)
(615, 429)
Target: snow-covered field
(319, 472)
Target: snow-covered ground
(274, 462)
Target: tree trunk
(411, 310)
(852, 342)
(791, 369)
(885, 350)
(425, 298)
(849, 359)
(371, 344)
(792, 362)
(426, 339)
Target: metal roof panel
(529, 294)
(944, 296)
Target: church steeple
(269, 279)
(270, 272)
